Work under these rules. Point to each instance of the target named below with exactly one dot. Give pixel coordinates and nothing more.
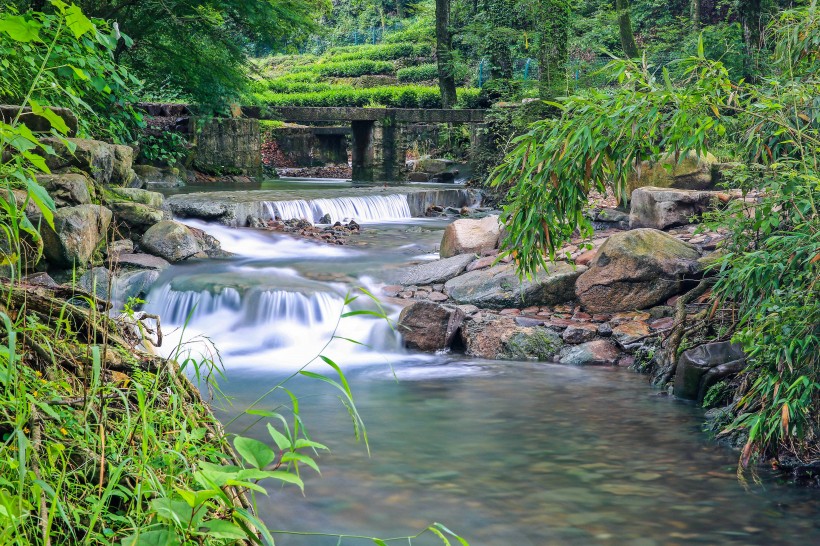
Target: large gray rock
(703, 366)
(37, 123)
(499, 287)
(662, 208)
(172, 241)
(135, 218)
(67, 189)
(151, 198)
(593, 353)
(119, 286)
(427, 326)
(91, 156)
(690, 171)
(78, 231)
(153, 177)
(122, 173)
(437, 271)
(497, 337)
(636, 269)
(140, 261)
(470, 236)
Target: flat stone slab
(437, 271)
(141, 261)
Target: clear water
(505, 453)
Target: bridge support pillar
(378, 150)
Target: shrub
(408, 96)
(420, 73)
(379, 52)
(346, 69)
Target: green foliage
(351, 69)
(378, 52)
(72, 58)
(770, 265)
(165, 147)
(418, 73)
(389, 96)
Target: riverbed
(504, 453)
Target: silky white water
(369, 208)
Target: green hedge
(420, 73)
(347, 69)
(408, 96)
(279, 85)
(379, 52)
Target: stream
(504, 453)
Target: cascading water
(370, 208)
(269, 327)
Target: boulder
(437, 271)
(636, 269)
(661, 208)
(120, 246)
(37, 123)
(135, 218)
(140, 261)
(171, 241)
(593, 353)
(498, 337)
(499, 287)
(118, 286)
(122, 173)
(78, 231)
(151, 198)
(470, 236)
(689, 171)
(428, 326)
(432, 166)
(153, 177)
(67, 189)
(418, 177)
(94, 157)
(703, 366)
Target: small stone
(468, 309)
(671, 301)
(586, 257)
(662, 323)
(437, 297)
(481, 263)
(628, 333)
(580, 333)
(528, 321)
(392, 290)
(580, 315)
(601, 317)
(405, 295)
(512, 312)
(438, 288)
(604, 329)
(620, 318)
(599, 352)
(626, 361)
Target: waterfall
(269, 327)
(369, 208)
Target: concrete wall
(227, 145)
(312, 146)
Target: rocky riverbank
(636, 295)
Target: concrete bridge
(379, 142)
(378, 146)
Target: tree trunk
(750, 15)
(625, 29)
(552, 51)
(444, 55)
(694, 8)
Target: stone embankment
(610, 300)
(109, 233)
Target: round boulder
(428, 326)
(470, 236)
(171, 240)
(636, 269)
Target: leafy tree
(195, 50)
